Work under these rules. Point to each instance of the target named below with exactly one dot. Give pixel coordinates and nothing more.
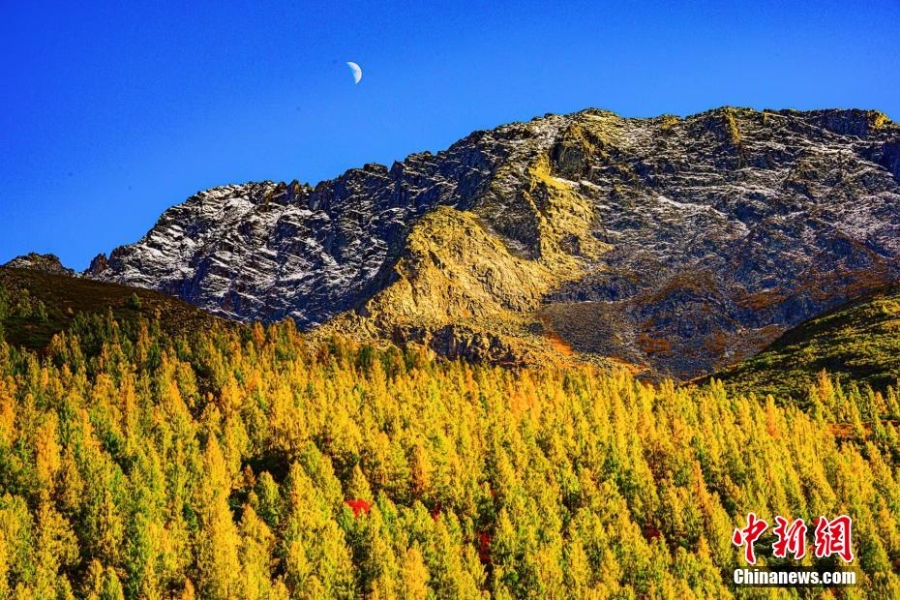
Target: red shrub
(484, 547)
(358, 506)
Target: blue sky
(112, 112)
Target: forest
(254, 463)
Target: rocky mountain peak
(675, 244)
(46, 263)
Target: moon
(357, 72)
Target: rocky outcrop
(676, 244)
(46, 263)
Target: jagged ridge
(679, 244)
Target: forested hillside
(39, 304)
(856, 343)
(252, 464)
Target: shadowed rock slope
(676, 245)
(858, 343)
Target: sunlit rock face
(674, 245)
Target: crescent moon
(357, 71)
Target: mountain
(47, 263)
(857, 342)
(36, 304)
(675, 245)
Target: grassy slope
(65, 297)
(858, 341)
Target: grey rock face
(719, 230)
(47, 263)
